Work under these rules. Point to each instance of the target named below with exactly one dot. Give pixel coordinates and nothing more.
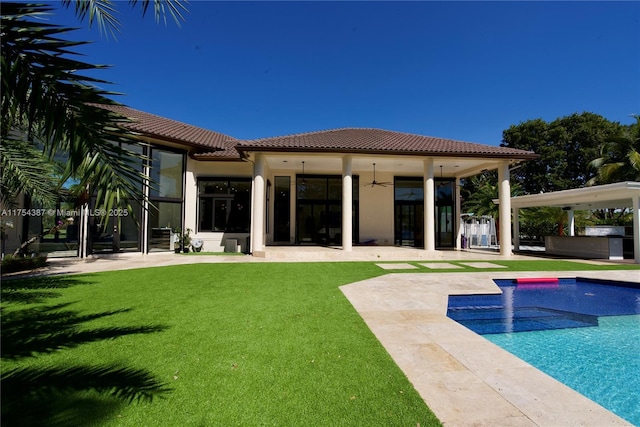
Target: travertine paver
(397, 266)
(465, 379)
(439, 265)
(483, 265)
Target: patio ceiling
(609, 196)
(315, 163)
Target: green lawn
(233, 344)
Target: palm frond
(619, 157)
(24, 169)
(46, 97)
(103, 13)
(175, 8)
(100, 12)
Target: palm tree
(481, 191)
(51, 108)
(619, 157)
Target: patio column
(636, 228)
(83, 235)
(257, 218)
(429, 207)
(457, 221)
(347, 203)
(572, 222)
(505, 208)
(516, 229)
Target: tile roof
(212, 145)
(175, 131)
(378, 141)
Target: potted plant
(186, 240)
(182, 240)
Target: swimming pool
(584, 333)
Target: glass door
(319, 210)
(444, 226)
(282, 209)
(445, 213)
(409, 224)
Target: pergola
(609, 196)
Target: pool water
(584, 334)
(602, 363)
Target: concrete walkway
(465, 379)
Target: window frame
(229, 196)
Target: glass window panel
(166, 174)
(282, 206)
(356, 188)
(224, 205)
(162, 221)
(409, 189)
(129, 231)
(206, 214)
(239, 187)
(310, 188)
(221, 212)
(213, 187)
(335, 188)
(239, 216)
(444, 192)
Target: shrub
(11, 264)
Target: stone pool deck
(465, 379)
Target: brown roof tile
(163, 128)
(217, 146)
(365, 140)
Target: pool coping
(464, 378)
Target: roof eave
(245, 149)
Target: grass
(248, 344)
(233, 344)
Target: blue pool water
(585, 334)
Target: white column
(146, 206)
(84, 230)
(457, 221)
(636, 229)
(257, 218)
(347, 203)
(516, 229)
(429, 207)
(572, 222)
(505, 208)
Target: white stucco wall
(376, 209)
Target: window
(166, 174)
(224, 205)
(167, 170)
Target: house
(339, 187)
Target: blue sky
(459, 70)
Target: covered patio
(354, 186)
(619, 195)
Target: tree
(51, 108)
(619, 157)
(479, 192)
(566, 147)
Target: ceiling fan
(374, 182)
